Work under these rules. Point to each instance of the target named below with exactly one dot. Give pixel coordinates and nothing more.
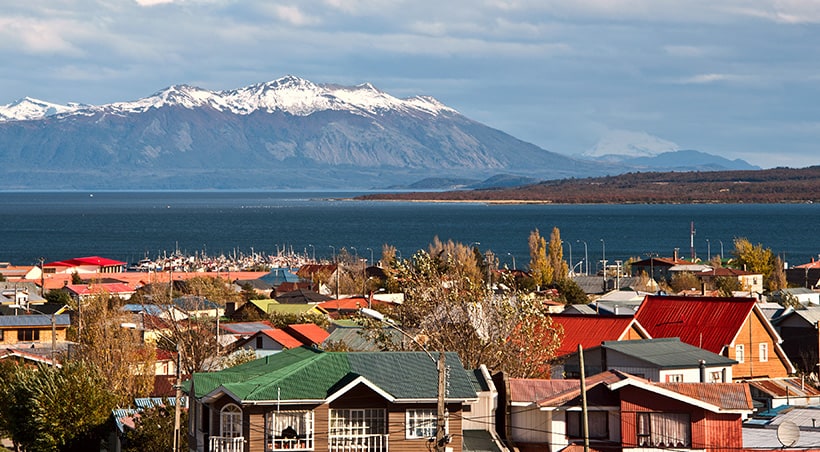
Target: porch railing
(226, 444)
(358, 443)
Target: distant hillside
(779, 185)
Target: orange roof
(344, 304)
(709, 323)
(812, 264)
(726, 396)
(90, 289)
(138, 279)
(283, 338)
(591, 330)
(308, 333)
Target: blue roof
(279, 275)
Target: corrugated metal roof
(305, 374)
(728, 396)
(310, 331)
(783, 387)
(669, 353)
(283, 338)
(706, 322)
(589, 330)
(34, 320)
(245, 327)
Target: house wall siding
(634, 400)
(751, 335)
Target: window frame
(28, 335)
(648, 437)
(763, 352)
(573, 419)
(230, 421)
(304, 421)
(740, 354)
(415, 416)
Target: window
(716, 377)
(358, 429)
(422, 423)
(764, 352)
(2, 335)
(259, 342)
(739, 353)
(674, 378)
(28, 334)
(598, 422)
(292, 429)
(664, 430)
(230, 421)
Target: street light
(721, 251)
(513, 258)
(372, 262)
(570, 253)
(313, 249)
(53, 328)
(708, 250)
(356, 255)
(440, 369)
(334, 252)
(586, 257)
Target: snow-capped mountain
(286, 133)
(30, 109)
(289, 94)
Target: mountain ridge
(287, 133)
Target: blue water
(130, 225)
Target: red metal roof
(531, 390)
(283, 338)
(706, 322)
(344, 304)
(310, 332)
(590, 330)
(90, 260)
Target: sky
(735, 78)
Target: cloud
(702, 79)
(153, 2)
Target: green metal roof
(669, 353)
(308, 374)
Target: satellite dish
(788, 433)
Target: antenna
(788, 433)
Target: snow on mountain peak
(29, 108)
(290, 94)
(628, 143)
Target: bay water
(129, 226)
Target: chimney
(702, 365)
(675, 255)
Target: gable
(591, 330)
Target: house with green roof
(306, 399)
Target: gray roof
(34, 320)
(811, 314)
(668, 353)
(478, 441)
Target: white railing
(358, 443)
(226, 444)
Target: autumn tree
(540, 268)
(757, 259)
(727, 285)
(108, 344)
(684, 281)
(559, 266)
(449, 307)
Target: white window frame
(674, 378)
(422, 423)
(663, 430)
(763, 352)
(230, 421)
(716, 376)
(301, 420)
(740, 356)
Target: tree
(559, 266)
(62, 409)
(570, 292)
(449, 307)
(126, 363)
(753, 258)
(154, 430)
(59, 297)
(684, 281)
(726, 285)
(540, 268)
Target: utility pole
(177, 407)
(440, 408)
(584, 412)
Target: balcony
(226, 444)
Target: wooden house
(306, 399)
(625, 413)
(733, 327)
